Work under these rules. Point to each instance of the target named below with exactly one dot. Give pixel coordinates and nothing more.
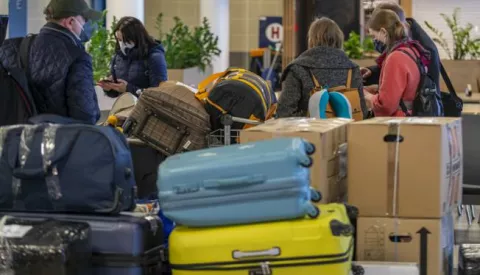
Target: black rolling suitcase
(469, 259)
(146, 160)
(47, 247)
(127, 244)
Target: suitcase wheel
(313, 212)
(310, 148)
(307, 162)
(315, 196)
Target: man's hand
(366, 72)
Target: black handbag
(452, 104)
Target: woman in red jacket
(400, 74)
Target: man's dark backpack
(427, 101)
(17, 103)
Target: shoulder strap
(449, 84)
(349, 79)
(402, 104)
(415, 59)
(314, 79)
(25, 51)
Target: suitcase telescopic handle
(272, 252)
(237, 181)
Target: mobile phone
(107, 81)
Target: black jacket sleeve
(374, 79)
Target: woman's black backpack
(427, 102)
(452, 104)
(17, 103)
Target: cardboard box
(427, 242)
(419, 177)
(328, 173)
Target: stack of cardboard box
(405, 176)
(328, 173)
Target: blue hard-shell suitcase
(239, 184)
(122, 244)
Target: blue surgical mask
(86, 33)
(379, 46)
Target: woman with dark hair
(139, 60)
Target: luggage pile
(67, 200)
(404, 175)
(251, 206)
(275, 203)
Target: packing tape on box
(448, 242)
(342, 156)
(454, 168)
(393, 139)
(393, 166)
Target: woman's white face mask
(124, 46)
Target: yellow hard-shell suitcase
(321, 246)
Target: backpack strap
(349, 79)
(422, 76)
(24, 56)
(315, 81)
(446, 78)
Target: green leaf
(187, 47)
(102, 48)
(464, 44)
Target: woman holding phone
(139, 60)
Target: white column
(3, 7)
(36, 18)
(121, 8)
(218, 14)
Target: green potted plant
(102, 48)
(361, 52)
(188, 51)
(462, 64)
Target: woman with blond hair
(324, 62)
(402, 64)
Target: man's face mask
(124, 47)
(85, 33)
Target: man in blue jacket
(60, 70)
(372, 74)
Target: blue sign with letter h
(17, 11)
